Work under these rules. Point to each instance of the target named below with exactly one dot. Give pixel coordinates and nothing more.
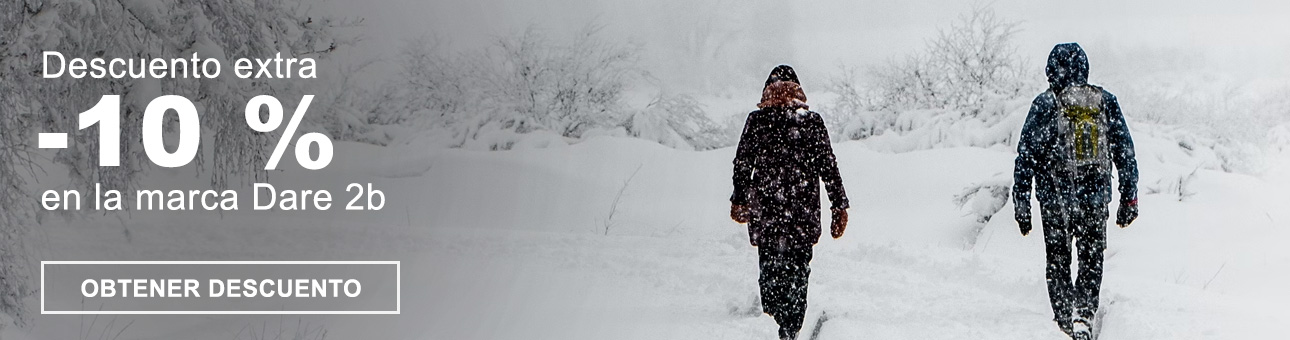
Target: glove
(1023, 220)
(1127, 213)
(1024, 224)
(740, 213)
(839, 225)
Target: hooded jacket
(783, 155)
(1041, 158)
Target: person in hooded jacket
(782, 156)
(1073, 195)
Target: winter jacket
(1042, 161)
(783, 154)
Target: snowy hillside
(521, 245)
(562, 170)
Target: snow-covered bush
(1224, 123)
(677, 121)
(969, 63)
(347, 109)
(982, 201)
(223, 30)
(521, 83)
(431, 87)
(529, 86)
(965, 89)
(851, 115)
(564, 88)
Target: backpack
(1082, 128)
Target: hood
(784, 94)
(782, 73)
(1067, 66)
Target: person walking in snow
(1073, 135)
(783, 155)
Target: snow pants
(784, 273)
(1084, 225)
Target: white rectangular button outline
(398, 290)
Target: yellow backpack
(1083, 128)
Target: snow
(624, 234)
(520, 245)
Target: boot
(1081, 329)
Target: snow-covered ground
(520, 245)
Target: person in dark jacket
(783, 155)
(1067, 147)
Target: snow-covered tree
(968, 63)
(519, 84)
(961, 90)
(561, 88)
